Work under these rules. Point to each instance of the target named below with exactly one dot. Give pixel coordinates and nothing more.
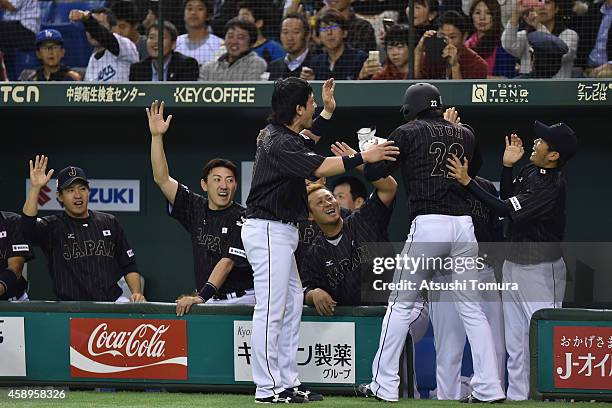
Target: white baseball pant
(541, 286)
(269, 246)
(437, 236)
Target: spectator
(350, 192)
(128, 22)
(595, 46)
(340, 60)
(50, 52)
(397, 51)
(18, 27)
(486, 39)
(177, 67)
(425, 16)
(199, 42)
(547, 19)
(360, 33)
(255, 11)
(456, 60)
(547, 52)
(113, 54)
(295, 31)
(239, 63)
(506, 7)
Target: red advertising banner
(128, 348)
(583, 357)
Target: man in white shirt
(18, 27)
(113, 54)
(199, 42)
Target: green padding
(166, 308)
(541, 329)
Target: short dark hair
(126, 10)
(330, 17)
(454, 18)
(218, 162)
(110, 16)
(397, 34)
(243, 24)
(298, 16)
(358, 189)
(258, 8)
(207, 3)
(432, 5)
(287, 94)
(168, 26)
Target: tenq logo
(479, 93)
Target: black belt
(225, 296)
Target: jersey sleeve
(296, 159)
(127, 50)
(374, 212)
(18, 246)
(310, 273)
(184, 204)
(124, 253)
(234, 248)
(532, 203)
(376, 171)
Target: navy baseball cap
(69, 175)
(49, 35)
(560, 138)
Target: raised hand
(458, 170)
(327, 94)
(514, 150)
(452, 116)
(38, 172)
(381, 151)
(157, 125)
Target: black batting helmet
(419, 98)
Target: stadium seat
(23, 60)
(77, 48)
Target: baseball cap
(560, 138)
(49, 35)
(69, 175)
(548, 51)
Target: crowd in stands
(314, 39)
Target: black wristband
(8, 279)
(352, 161)
(207, 291)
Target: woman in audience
(425, 16)
(486, 39)
(547, 18)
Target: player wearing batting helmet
(87, 251)
(276, 203)
(223, 275)
(441, 229)
(534, 202)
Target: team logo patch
(2, 234)
(224, 230)
(106, 233)
(515, 203)
(329, 263)
(130, 253)
(542, 171)
(72, 172)
(238, 252)
(70, 236)
(21, 248)
(241, 221)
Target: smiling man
(222, 273)
(87, 251)
(239, 63)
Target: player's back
(426, 145)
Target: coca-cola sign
(128, 348)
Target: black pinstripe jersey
(282, 162)
(537, 215)
(308, 231)
(487, 226)
(214, 235)
(425, 145)
(12, 244)
(86, 257)
(334, 265)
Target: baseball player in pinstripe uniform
(87, 251)
(276, 202)
(14, 253)
(441, 228)
(534, 201)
